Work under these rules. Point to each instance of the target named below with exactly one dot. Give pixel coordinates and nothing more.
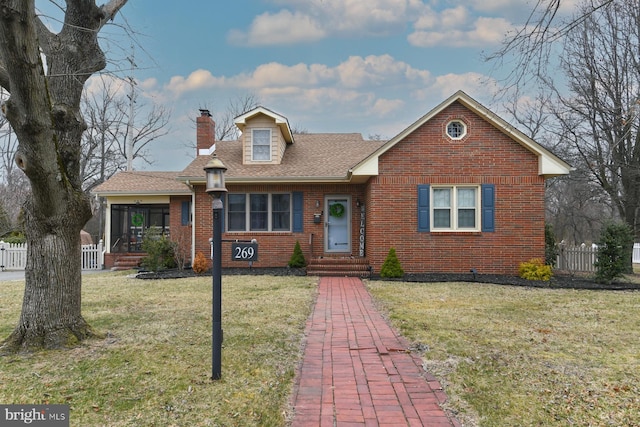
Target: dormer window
(261, 144)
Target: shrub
(14, 237)
(200, 264)
(160, 251)
(535, 269)
(614, 252)
(297, 258)
(550, 246)
(391, 266)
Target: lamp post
(215, 187)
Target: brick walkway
(357, 371)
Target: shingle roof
(313, 157)
(142, 182)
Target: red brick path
(357, 371)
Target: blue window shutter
(423, 207)
(488, 207)
(297, 211)
(186, 212)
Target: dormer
(265, 136)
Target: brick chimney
(205, 133)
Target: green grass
(154, 366)
(508, 356)
(512, 356)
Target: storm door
(337, 236)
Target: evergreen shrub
(297, 259)
(391, 267)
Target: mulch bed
(558, 281)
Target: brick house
(458, 189)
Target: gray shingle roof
(313, 157)
(142, 182)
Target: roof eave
(140, 193)
(289, 179)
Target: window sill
(456, 233)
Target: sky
(367, 66)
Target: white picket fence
(13, 256)
(582, 258)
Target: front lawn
(517, 356)
(507, 355)
(154, 366)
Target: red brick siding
(426, 156)
(179, 233)
(275, 248)
(484, 156)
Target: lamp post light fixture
(215, 187)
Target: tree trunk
(51, 315)
(44, 111)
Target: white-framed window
(261, 144)
(259, 212)
(455, 208)
(456, 129)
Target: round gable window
(456, 129)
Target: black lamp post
(215, 187)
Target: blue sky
(368, 66)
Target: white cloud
(479, 23)
(481, 33)
(357, 72)
(475, 84)
(197, 80)
(311, 21)
(371, 95)
(382, 107)
(275, 74)
(281, 28)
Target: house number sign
(244, 252)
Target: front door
(137, 221)
(337, 236)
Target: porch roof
(141, 183)
(323, 157)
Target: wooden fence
(13, 256)
(582, 258)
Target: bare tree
(104, 114)
(528, 51)
(600, 116)
(112, 138)
(226, 128)
(138, 134)
(44, 112)
(586, 68)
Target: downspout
(191, 220)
